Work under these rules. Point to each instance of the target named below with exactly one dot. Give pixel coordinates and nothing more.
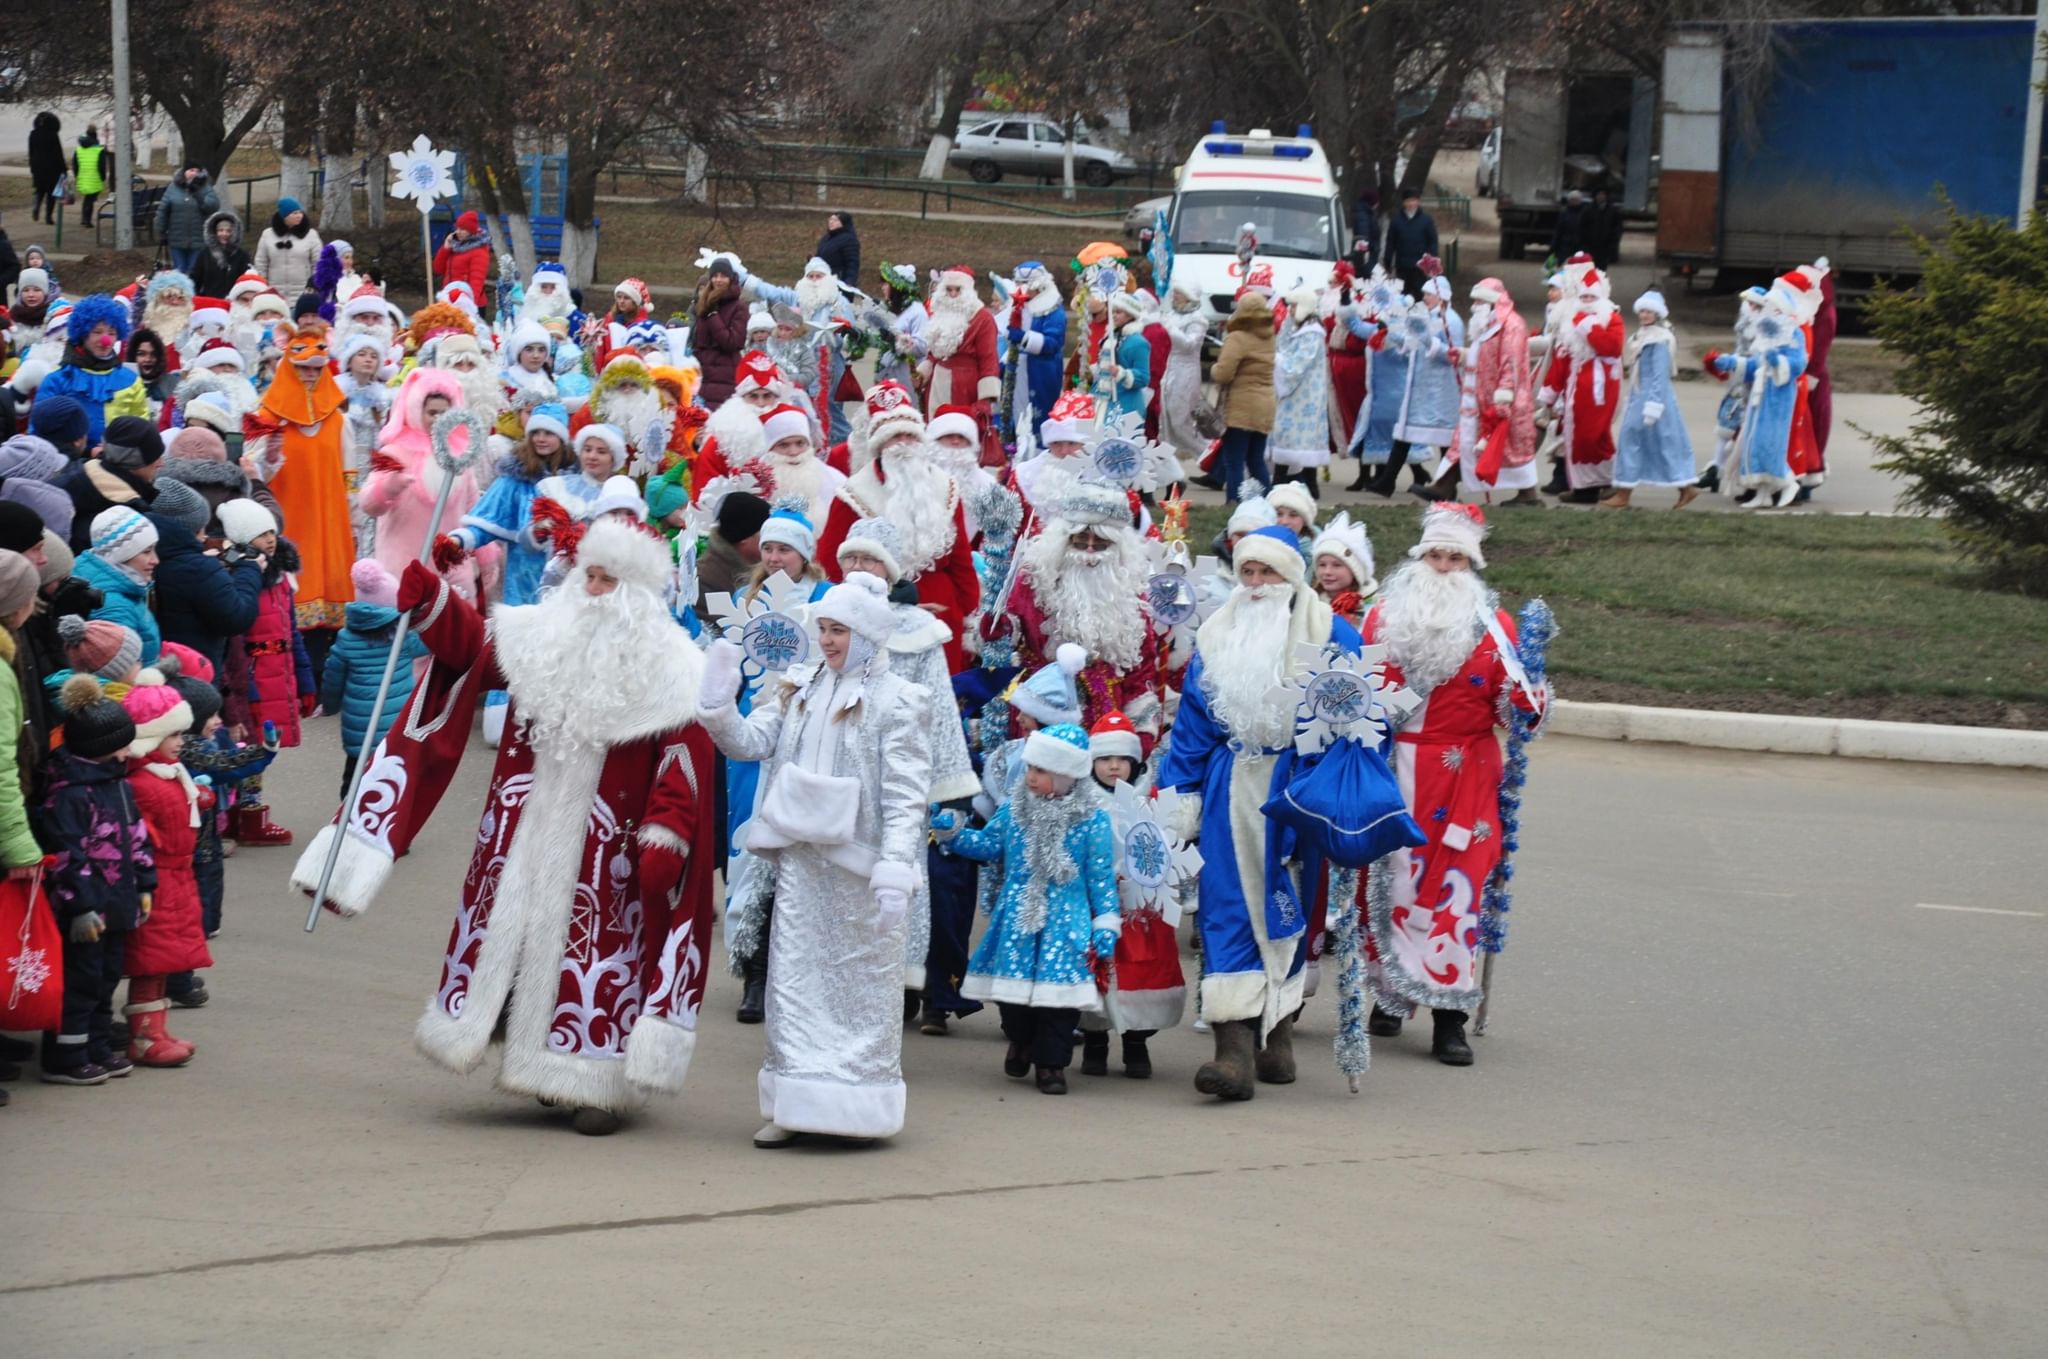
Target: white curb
(1922, 741)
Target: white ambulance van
(1283, 187)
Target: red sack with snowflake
(31, 957)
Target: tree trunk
(1429, 133)
(301, 120)
(338, 194)
(579, 215)
(579, 253)
(377, 176)
(1067, 162)
(696, 174)
(958, 87)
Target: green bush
(1974, 337)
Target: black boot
(1095, 1053)
(1710, 480)
(1363, 481)
(754, 994)
(1556, 484)
(1137, 1061)
(1449, 1045)
(1382, 1024)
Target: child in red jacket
(280, 685)
(173, 937)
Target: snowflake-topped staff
(1180, 594)
(426, 176)
(1534, 628)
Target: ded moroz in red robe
(947, 578)
(597, 985)
(1584, 383)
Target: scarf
(172, 769)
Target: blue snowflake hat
(791, 527)
(1059, 749)
(1049, 697)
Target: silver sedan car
(1034, 149)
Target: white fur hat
(956, 422)
(1252, 513)
(1292, 495)
(628, 552)
(1061, 749)
(619, 493)
(860, 602)
(528, 333)
(1347, 541)
(1653, 301)
(877, 538)
(1461, 528)
(1277, 547)
(244, 521)
(611, 437)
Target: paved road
(1742, 1096)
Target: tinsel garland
(1536, 627)
(1346, 947)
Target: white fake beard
(737, 427)
(815, 295)
(1091, 598)
(948, 325)
(800, 478)
(167, 320)
(921, 503)
(632, 414)
(1431, 620)
(1242, 664)
(540, 306)
(482, 392)
(625, 636)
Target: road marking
(1976, 910)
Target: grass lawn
(1816, 615)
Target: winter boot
(1525, 499)
(1363, 480)
(253, 826)
(1095, 1053)
(192, 997)
(1015, 1064)
(1137, 1061)
(1449, 1046)
(754, 990)
(148, 1043)
(933, 1024)
(1052, 1080)
(1556, 485)
(1382, 1024)
(595, 1122)
(1276, 1056)
(1228, 1075)
(1445, 487)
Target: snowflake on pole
(767, 624)
(1340, 695)
(422, 174)
(1155, 865)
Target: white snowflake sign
(422, 174)
(1339, 695)
(1155, 865)
(768, 624)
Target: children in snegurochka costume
(1370, 318)
(1434, 335)
(1301, 380)
(1769, 374)
(1047, 697)
(1057, 910)
(1654, 449)
(1144, 990)
(1234, 745)
(1123, 375)
(528, 375)
(1722, 474)
(842, 816)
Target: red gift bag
(1494, 454)
(31, 957)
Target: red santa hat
(785, 421)
(248, 285)
(636, 288)
(1114, 735)
(1067, 421)
(891, 411)
(756, 370)
(218, 353)
(1459, 527)
(1258, 280)
(208, 311)
(364, 301)
(958, 420)
(1590, 284)
(1804, 292)
(959, 273)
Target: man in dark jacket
(1410, 236)
(1365, 232)
(124, 473)
(721, 331)
(733, 546)
(1603, 231)
(1568, 237)
(181, 216)
(839, 247)
(46, 165)
(201, 600)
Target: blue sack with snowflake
(1346, 804)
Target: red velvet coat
(949, 582)
(1102, 687)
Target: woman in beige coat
(1244, 379)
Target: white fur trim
(1503, 396)
(1109, 920)
(890, 876)
(359, 873)
(953, 422)
(1056, 756)
(1080, 996)
(1256, 548)
(1653, 411)
(1118, 744)
(1160, 1009)
(661, 837)
(988, 389)
(834, 1108)
(782, 425)
(658, 1053)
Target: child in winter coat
(280, 685)
(109, 652)
(1146, 991)
(1653, 449)
(173, 936)
(100, 881)
(1057, 912)
(355, 666)
(218, 762)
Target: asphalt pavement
(1764, 1078)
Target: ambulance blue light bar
(1281, 149)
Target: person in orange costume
(299, 423)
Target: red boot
(148, 1043)
(253, 826)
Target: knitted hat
(374, 584)
(20, 527)
(199, 457)
(1276, 547)
(1292, 495)
(552, 417)
(179, 506)
(19, 579)
(178, 659)
(26, 455)
(34, 278)
(1461, 528)
(648, 334)
(634, 288)
(791, 528)
(861, 602)
(244, 521)
(58, 559)
(287, 206)
(99, 646)
(877, 538)
(50, 504)
(1049, 695)
(201, 697)
(955, 420)
(785, 422)
(1059, 749)
(212, 410)
(130, 441)
(891, 411)
(1115, 736)
(118, 533)
(1347, 541)
(740, 516)
(1254, 512)
(619, 493)
(609, 436)
(159, 712)
(469, 222)
(59, 419)
(95, 726)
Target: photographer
(181, 215)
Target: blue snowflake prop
(1536, 626)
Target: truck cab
(1565, 128)
(1283, 186)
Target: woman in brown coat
(1244, 381)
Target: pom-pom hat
(1049, 697)
(374, 584)
(99, 646)
(791, 528)
(1061, 748)
(861, 603)
(159, 712)
(95, 726)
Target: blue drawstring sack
(1348, 805)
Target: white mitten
(721, 682)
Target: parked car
(1034, 147)
(1487, 178)
(1468, 124)
(1146, 213)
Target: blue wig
(91, 311)
(166, 279)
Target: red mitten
(661, 871)
(1710, 363)
(416, 586)
(308, 702)
(692, 417)
(381, 461)
(448, 552)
